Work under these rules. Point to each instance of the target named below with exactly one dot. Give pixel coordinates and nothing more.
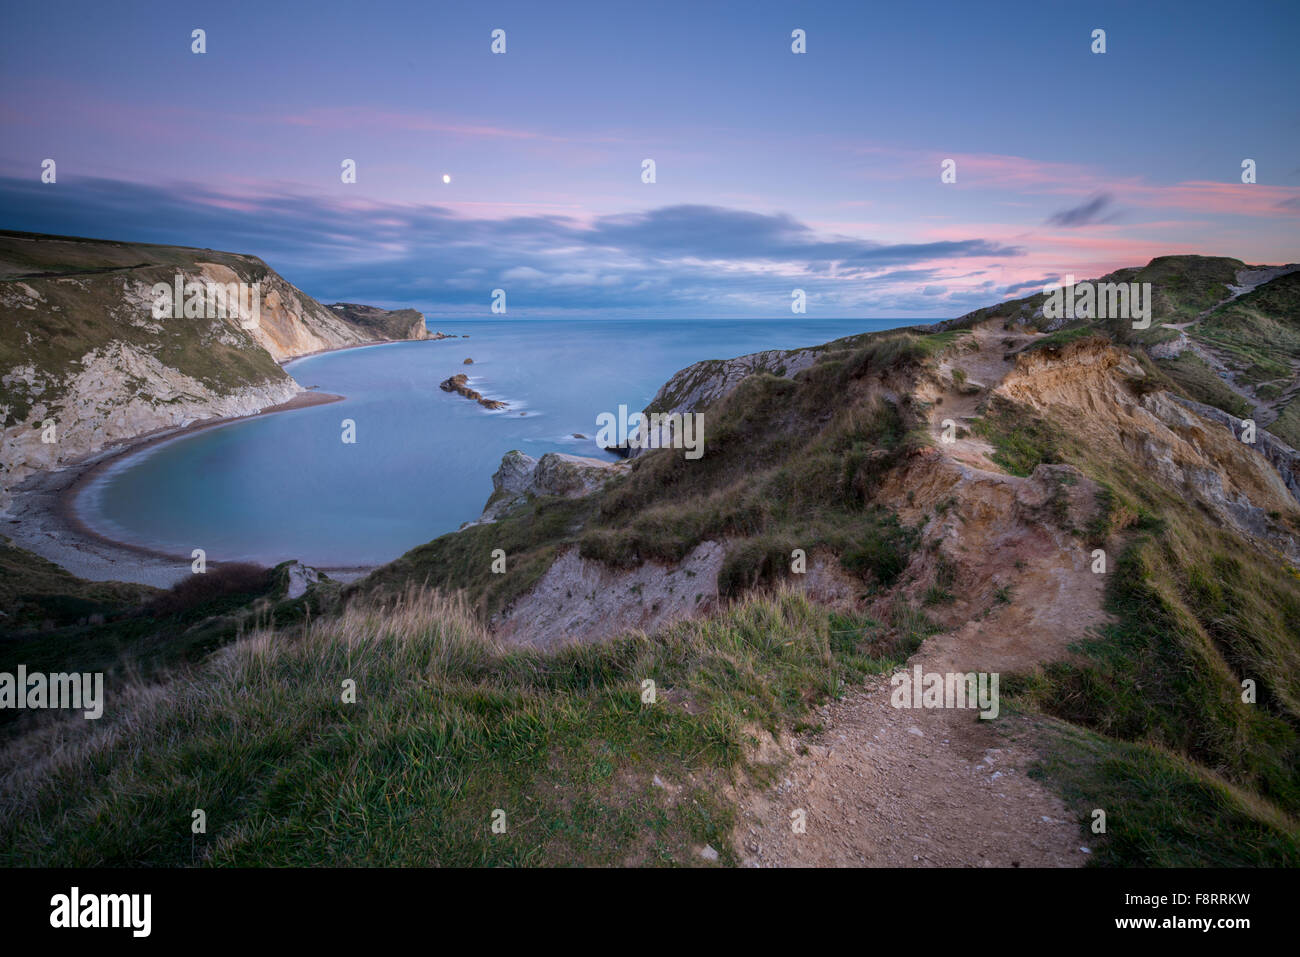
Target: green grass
(78, 316)
(1202, 384)
(1154, 702)
(1147, 715)
(1258, 334)
(88, 291)
(449, 725)
(530, 535)
(1021, 440)
(447, 728)
(136, 631)
(37, 594)
(1145, 720)
(1182, 287)
(1063, 337)
(764, 485)
(1162, 810)
(1287, 425)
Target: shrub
(223, 581)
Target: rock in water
(457, 384)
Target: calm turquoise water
(286, 486)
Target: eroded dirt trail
(965, 380)
(886, 786)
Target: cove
(285, 486)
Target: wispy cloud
(685, 259)
(1084, 214)
(1036, 285)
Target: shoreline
(42, 516)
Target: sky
(774, 170)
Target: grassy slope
(53, 622)
(441, 738)
(83, 283)
(76, 323)
(31, 255)
(1195, 379)
(1149, 719)
(530, 535)
(447, 728)
(1258, 333)
(36, 593)
(1148, 722)
(1287, 425)
(1182, 287)
(378, 323)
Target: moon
(446, 177)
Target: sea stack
(457, 384)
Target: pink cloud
(986, 169)
(1239, 199)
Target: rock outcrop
(300, 578)
(700, 385)
(555, 473)
(579, 600)
(459, 384)
(1284, 459)
(992, 530)
(1193, 449)
(385, 324)
(703, 383)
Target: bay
(282, 486)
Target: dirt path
(1263, 411)
(972, 373)
(908, 787)
(880, 785)
(885, 787)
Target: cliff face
(84, 363)
(381, 323)
(1099, 394)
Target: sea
(287, 485)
